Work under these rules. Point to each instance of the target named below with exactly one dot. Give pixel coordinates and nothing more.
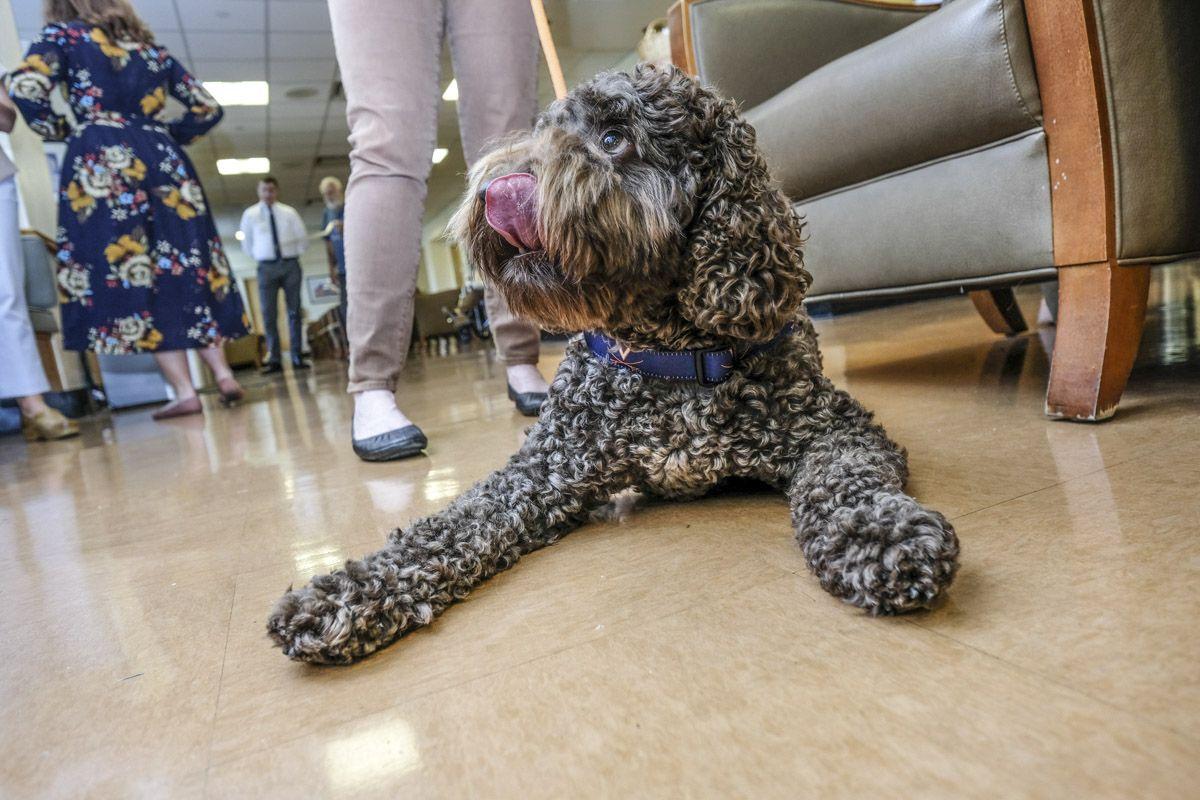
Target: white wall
(437, 264)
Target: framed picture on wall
(321, 288)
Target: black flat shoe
(400, 443)
(301, 364)
(528, 403)
(271, 368)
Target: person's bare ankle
(525, 378)
(32, 405)
(375, 412)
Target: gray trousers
(272, 276)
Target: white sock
(375, 412)
(526, 378)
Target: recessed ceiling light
(240, 93)
(239, 235)
(243, 166)
(439, 154)
(451, 92)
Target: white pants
(21, 371)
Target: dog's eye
(612, 141)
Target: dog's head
(639, 205)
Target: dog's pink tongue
(510, 206)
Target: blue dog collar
(705, 367)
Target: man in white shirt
(274, 235)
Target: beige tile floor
(683, 651)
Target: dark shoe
(300, 363)
(231, 391)
(400, 443)
(528, 403)
(179, 408)
(271, 368)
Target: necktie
(274, 234)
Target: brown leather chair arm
(753, 49)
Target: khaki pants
(389, 53)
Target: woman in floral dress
(141, 268)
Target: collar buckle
(698, 360)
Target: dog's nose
(483, 191)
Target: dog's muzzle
(510, 208)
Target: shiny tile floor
(682, 651)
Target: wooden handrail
(548, 49)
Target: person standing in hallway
(273, 234)
(389, 55)
(332, 224)
(140, 263)
(22, 375)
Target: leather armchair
(976, 144)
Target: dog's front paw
(348, 614)
(889, 557)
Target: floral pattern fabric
(140, 264)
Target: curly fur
(676, 238)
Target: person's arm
(247, 234)
(203, 111)
(327, 235)
(35, 78)
(333, 264)
(299, 232)
(8, 114)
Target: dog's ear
(745, 242)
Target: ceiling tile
(302, 16)
(284, 149)
(301, 45)
(158, 13)
(241, 145)
(298, 124)
(244, 118)
(230, 70)
(248, 46)
(313, 112)
(335, 118)
(334, 141)
(173, 41)
(292, 70)
(311, 91)
(223, 15)
(294, 140)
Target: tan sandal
(47, 426)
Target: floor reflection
(140, 560)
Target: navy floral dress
(140, 264)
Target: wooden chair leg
(999, 310)
(1101, 309)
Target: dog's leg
(867, 541)
(537, 498)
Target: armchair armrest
(753, 49)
